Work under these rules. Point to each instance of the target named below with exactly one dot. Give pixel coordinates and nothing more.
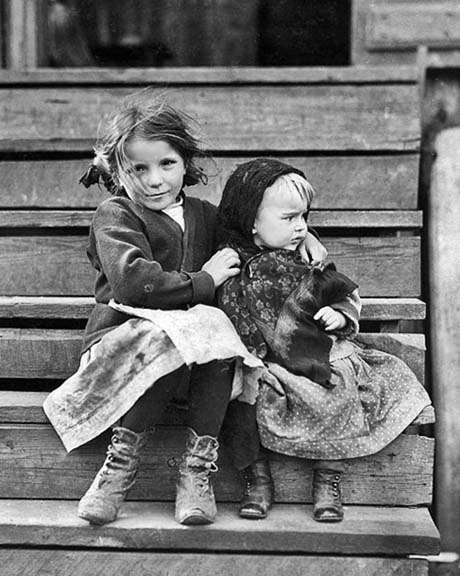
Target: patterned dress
(356, 403)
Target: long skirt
(373, 397)
(129, 359)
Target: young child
(322, 397)
(152, 334)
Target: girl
(321, 397)
(151, 334)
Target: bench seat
(366, 530)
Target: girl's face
(160, 169)
(281, 218)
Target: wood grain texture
(341, 182)
(213, 75)
(57, 265)
(35, 465)
(284, 118)
(79, 307)
(290, 528)
(54, 353)
(30, 562)
(386, 219)
(411, 24)
(444, 255)
(18, 407)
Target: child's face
(280, 220)
(161, 171)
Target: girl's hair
(244, 192)
(143, 116)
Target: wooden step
(26, 407)
(85, 562)
(35, 465)
(55, 353)
(380, 116)
(388, 219)
(59, 307)
(289, 529)
(379, 182)
(47, 264)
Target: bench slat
(83, 562)
(57, 265)
(26, 407)
(297, 118)
(79, 307)
(290, 528)
(37, 465)
(217, 74)
(399, 219)
(54, 354)
(341, 182)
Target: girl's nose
(154, 178)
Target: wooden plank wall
(390, 31)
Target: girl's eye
(168, 162)
(139, 169)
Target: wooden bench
(356, 133)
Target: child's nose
(154, 178)
(301, 224)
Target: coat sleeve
(350, 307)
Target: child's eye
(139, 169)
(168, 162)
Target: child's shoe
(195, 502)
(259, 491)
(104, 497)
(327, 502)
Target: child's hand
(223, 265)
(330, 319)
(311, 250)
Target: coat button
(148, 287)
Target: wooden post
(25, 24)
(444, 265)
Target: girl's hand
(330, 319)
(222, 266)
(311, 250)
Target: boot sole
(195, 520)
(95, 520)
(252, 515)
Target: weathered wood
(25, 34)
(381, 117)
(30, 353)
(291, 528)
(54, 353)
(77, 307)
(388, 219)
(410, 24)
(26, 407)
(57, 265)
(35, 465)
(213, 75)
(30, 562)
(444, 255)
(341, 182)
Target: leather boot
(259, 490)
(195, 502)
(327, 503)
(104, 497)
